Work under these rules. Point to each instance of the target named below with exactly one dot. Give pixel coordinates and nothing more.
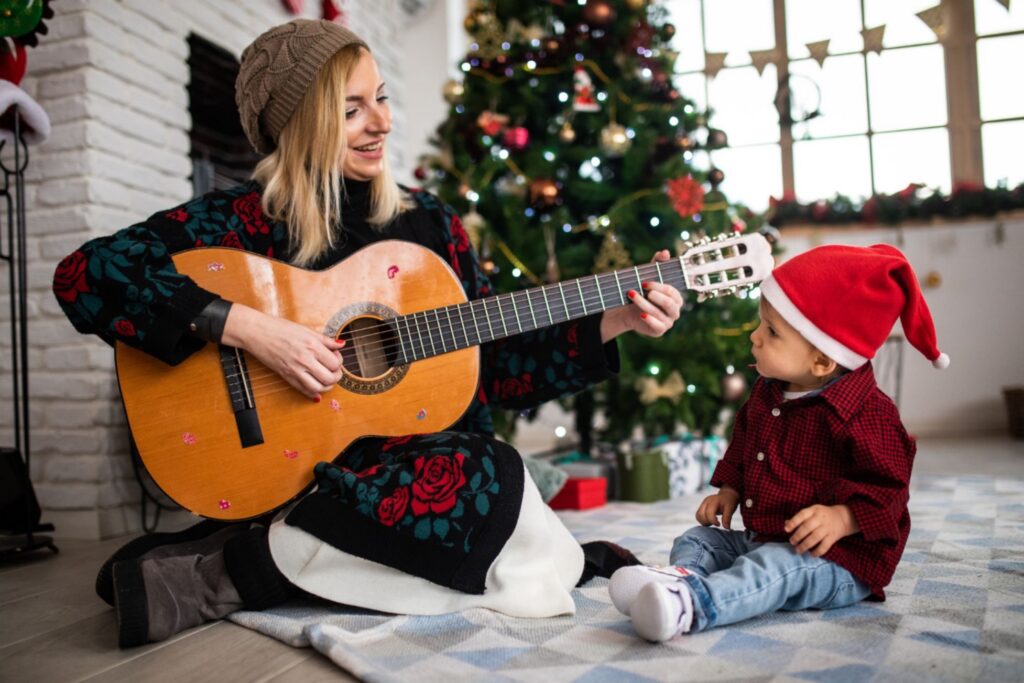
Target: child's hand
(722, 503)
(815, 529)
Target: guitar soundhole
(371, 348)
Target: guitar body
(183, 418)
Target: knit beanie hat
(277, 70)
(845, 300)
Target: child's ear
(822, 365)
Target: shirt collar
(845, 394)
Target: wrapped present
(643, 476)
(590, 468)
(691, 462)
(581, 494)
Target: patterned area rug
(955, 612)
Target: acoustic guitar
(226, 438)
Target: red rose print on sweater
(179, 215)
(250, 211)
(459, 235)
(69, 280)
(124, 327)
(393, 507)
(514, 387)
(438, 479)
(232, 240)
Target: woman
(311, 98)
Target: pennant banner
(819, 50)
(713, 63)
(935, 20)
(761, 59)
(873, 38)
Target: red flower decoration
(250, 211)
(232, 240)
(393, 507)
(69, 279)
(687, 196)
(438, 478)
(514, 387)
(124, 327)
(179, 215)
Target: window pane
(692, 87)
(1002, 145)
(685, 16)
(902, 25)
(991, 17)
(999, 81)
(739, 26)
(752, 174)
(919, 156)
(843, 103)
(744, 105)
(908, 88)
(825, 168)
(808, 21)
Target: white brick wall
(112, 75)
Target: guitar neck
(442, 330)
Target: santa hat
(845, 300)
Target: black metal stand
(26, 538)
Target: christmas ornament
(488, 35)
(420, 173)
(715, 177)
(640, 37)
(22, 20)
(517, 138)
(873, 39)
(686, 194)
(686, 143)
(473, 223)
(613, 256)
(636, 4)
(567, 133)
(12, 61)
(734, 386)
(614, 140)
(490, 123)
(598, 12)
(716, 139)
(650, 391)
(453, 91)
(511, 186)
(668, 31)
(583, 99)
(544, 192)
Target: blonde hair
(302, 180)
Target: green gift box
(643, 476)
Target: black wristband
(209, 324)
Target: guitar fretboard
(442, 330)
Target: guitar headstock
(725, 264)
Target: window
(864, 121)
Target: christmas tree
(569, 151)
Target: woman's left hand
(651, 313)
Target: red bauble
(517, 138)
(420, 173)
(12, 62)
(599, 12)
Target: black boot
(157, 597)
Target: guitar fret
(476, 325)
(490, 328)
(429, 336)
(639, 282)
(462, 322)
(583, 299)
(565, 304)
(515, 311)
(451, 327)
(547, 304)
(529, 302)
(600, 294)
(618, 286)
(497, 299)
(657, 266)
(401, 342)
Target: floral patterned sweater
(438, 506)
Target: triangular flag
(761, 58)
(935, 20)
(819, 50)
(713, 62)
(873, 38)
(1004, 3)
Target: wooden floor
(54, 628)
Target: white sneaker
(661, 612)
(627, 582)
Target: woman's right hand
(723, 503)
(309, 361)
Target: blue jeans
(733, 577)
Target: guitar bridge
(243, 402)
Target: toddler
(819, 461)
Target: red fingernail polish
(644, 316)
(631, 293)
(341, 342)
(647, 285)
(316, 399)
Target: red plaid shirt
(845, 445)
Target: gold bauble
(453, 91)
(543, 192)
(614, 140)
(567, 133)
(636, 4)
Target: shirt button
(749, 503)
(760, 456)
(776, 412)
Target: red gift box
(581, 494)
